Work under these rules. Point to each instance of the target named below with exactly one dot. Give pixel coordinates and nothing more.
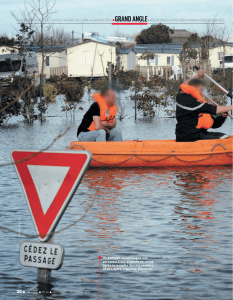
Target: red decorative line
(99, 275)
(129, 23)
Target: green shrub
(49, 92)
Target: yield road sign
(49, 180)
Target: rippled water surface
(179, 218)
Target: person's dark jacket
(187, 113)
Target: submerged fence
(148, 92)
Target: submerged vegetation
(21, 96)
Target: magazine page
(116, 150)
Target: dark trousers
(210, 135)
(203, 135)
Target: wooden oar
(229, 94)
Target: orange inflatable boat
(158, 153)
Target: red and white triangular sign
(49, 180)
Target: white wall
(54, 60)
(131, 60)
(62, 58)
(128, 61)
(89, 59)
(162, 60)
(124, 61)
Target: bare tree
(223, 36)
(199, 45)
(36, 15)
(57, 36)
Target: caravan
(228, 63)
(16, 64)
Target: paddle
(213, 102)
(216, 83)
(208, 98)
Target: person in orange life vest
(99, 122)
(194, 115)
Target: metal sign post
(49, 181)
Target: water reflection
(198, 189)
(106, 186)
(110, 188)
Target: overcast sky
(180, 14)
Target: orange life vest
(107, 114)
(204, 120)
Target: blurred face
(110, 98)
(199, 88)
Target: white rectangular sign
(41, 255)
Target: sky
(181, 14)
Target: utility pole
(72, 38)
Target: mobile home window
(229, 59)
(47, 61)
(156, 60)
(168, 60)
(10, 65)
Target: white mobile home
(165, 54)
(217, 52)
(90, 59)
(55, 62)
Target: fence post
(135, 95)
(148, 74)
(41, 78)
(184, 71)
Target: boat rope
(194, 160)
(218, 145)
(174, 155)
(230, 155)
(112, 163)
(78, 146)
(153, 160)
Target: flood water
(178, 220)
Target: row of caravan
(16, 64)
